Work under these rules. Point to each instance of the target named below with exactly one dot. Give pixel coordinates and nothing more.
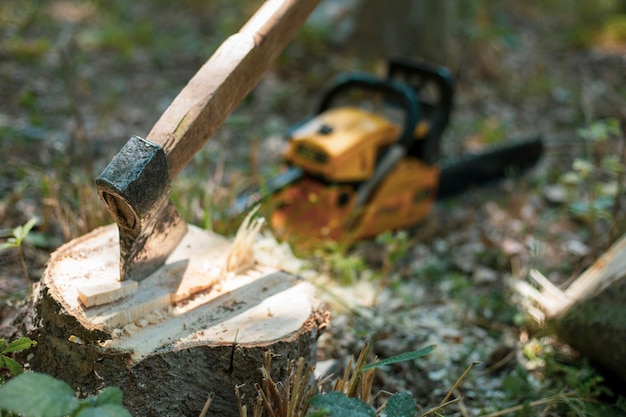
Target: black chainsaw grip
(421, 76)
(396, 93)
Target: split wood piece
(589, 315)
(172, 342)
(98, 294)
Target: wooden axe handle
(225, 79)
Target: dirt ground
(78, 78)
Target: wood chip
(105, 292)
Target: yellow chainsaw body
(338, 150)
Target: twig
(207, 404)
(501, 362)
(20, 250)
(444, 403)
(441, 406)
(462, 407)
(548, 400)
(461, 378)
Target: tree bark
(168, 357)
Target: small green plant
(33, 394)
(396, 246)
(490, 131)
(596, 181)
(346, 267)
(348, 396)
(7, 362)
(613, 31)
(550, 383)
(352, 394)
(15, 241)
(338, 404)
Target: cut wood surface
(590, 313)
(189, 330)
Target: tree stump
(589, 315)
(188, 331)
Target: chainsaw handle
(397, 93)
(436, 111)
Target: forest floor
(78, 79)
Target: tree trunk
(181, 335)
(590, 315)
(416, 29)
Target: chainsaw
(369, 160)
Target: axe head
(135, 188)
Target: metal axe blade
(135, 186)
(135, 189)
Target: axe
(135, 185)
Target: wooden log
(190, 330)
(590, 314)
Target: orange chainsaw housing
(369, 160)
(338, 150)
